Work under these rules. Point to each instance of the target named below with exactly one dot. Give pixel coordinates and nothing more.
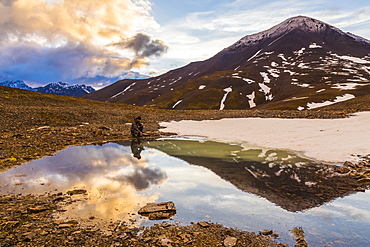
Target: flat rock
(230, 241)
(203, 224)
(266, 232)
(37, 209)
(158, 211)
(77, 191)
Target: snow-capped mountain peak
(17, 84)
(303, 23)
(60, 88)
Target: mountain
(59, 88)
(17, 84)
(62, 88)
(301, 63)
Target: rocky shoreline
(28, 221)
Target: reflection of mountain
(291, 182)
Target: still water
(241, 186)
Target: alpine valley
(301, 63)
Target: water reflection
(235, 185)
(292, 182)
(137, 147)
(109, 173)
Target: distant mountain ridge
(301, 63)
(60, 88)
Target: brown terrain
(34, 125)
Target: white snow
(274, 72)
(178, 102)
(300, 52)
(251, 98)
(202, 87)
(265, 89)
(254, 55)
(314, 45)
(250, 81)
(353, 59)
(227, 91)
(337, 99)
(327, 140)
(265, 77)
(347, 86)
(282, 56)
(295, 98)
(127, 88)
(321, 90)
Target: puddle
(239, 186)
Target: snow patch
(265, 77)
(250, 81)
(314, 45)
(202, 87)
(251, 98)
(300, 52)
(178, 102)
(353, 59)
(326, 103)
(265, 89)
(227, 91)
(127, 88)
(327, 140)
(254, 55)
(295, 98)
(347, 86)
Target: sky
(96, 42)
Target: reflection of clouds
(142, 177)
(109, 173)
(342, 209)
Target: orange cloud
(51, 27)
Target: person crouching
(137, 128)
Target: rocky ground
(34, 125)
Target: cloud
(143, 46)
(49, 40)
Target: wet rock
(61, 226)
(77, 192)
(299, 237)
(37, 209)
(158, 211)
(203, 224)
(350, 164)
(230, 241)
(266, 232)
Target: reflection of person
(136, 148)
(137, 127)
